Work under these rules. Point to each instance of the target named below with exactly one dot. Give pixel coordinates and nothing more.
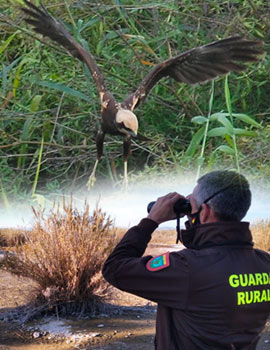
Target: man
(215, 294)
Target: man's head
(221, 196)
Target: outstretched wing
(199, 65)
(47, 25)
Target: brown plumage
(191, 67)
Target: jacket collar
(217, 233)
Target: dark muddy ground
(133, 329)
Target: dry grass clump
(10, 237)
(164, 236)
(64, 253)
(161, 236)
(261, 234)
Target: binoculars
(181, 207)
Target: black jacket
(214, 296)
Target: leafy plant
(127, 39)
(227, 131)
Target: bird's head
(127, 122)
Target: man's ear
(207, 214)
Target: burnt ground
(131, 329)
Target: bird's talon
(125, 186)
(91, 182)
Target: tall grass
(225, 130)
(64, 252)
(53, 144)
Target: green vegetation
(64, 252)
(49, 110)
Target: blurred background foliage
(50, 112)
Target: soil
(132, 329)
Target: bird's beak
(133, 134)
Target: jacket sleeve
(127, 270)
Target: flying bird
(194, 66)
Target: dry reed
(64, 253)
(261, 234)
(10, 237)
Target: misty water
(127, 208)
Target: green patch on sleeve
(158, 262)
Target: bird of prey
(197, 65)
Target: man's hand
(162, 210)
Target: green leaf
(241, 116)
(3, 75)
(211, 100)
(247, 119)
(215, 116)
(6, 69)
(35, 103)
(224, 121)
(78, 29)
(90, 23)
(195, 142)
(199, 120)
(26, 130)
(19, 2)
(7, 42)
(111, 35)
(63, 88)
(16, 82)
(99, 47)
(225, 149)
(228, 96)
(243, 132)
(211, 161)
(38, 165)
(221, 131)
(229, 140)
